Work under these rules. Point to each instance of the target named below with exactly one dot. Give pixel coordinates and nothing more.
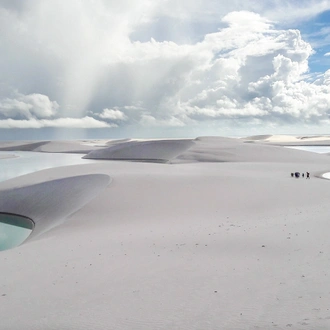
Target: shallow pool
(28, 162)
(14, 230)
(317, 149)
(326, 175)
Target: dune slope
(221, 238)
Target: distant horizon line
(63, 138)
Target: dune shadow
(49, 203)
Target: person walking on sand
(303, 175)
(307, 175)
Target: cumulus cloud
(37, 110)
(150, 121)
(28, 106)
(85, 122)
(253, 70)
(113, 114)
(249, 69)
(245, 66)
(286, 11)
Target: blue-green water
(14, 230)
(317, 149)
(29, 162)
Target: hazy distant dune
(257, 137)
(217, 149)
(65, 147)
(153, 150)
(290, 140)
(21, 145)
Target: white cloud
(241, 76)
(85, 122)
(284, 11)
(288, 11)
(113, 114)
(242, 65)
(247, 70)
(150, 121)
(28, 106)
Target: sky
(163, 68)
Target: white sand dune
(214, 149)
(49, 203)
(65, 146)
(222, 238)
(155, 150)
(202, 149)
(113, 142)
(265, 137)
(7, 156)
(77, 146)
(316, 140)
(20, 145)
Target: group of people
(297, 175)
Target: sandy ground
(309, 140)
(218, 237)
(7, 156)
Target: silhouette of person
(307, 175)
